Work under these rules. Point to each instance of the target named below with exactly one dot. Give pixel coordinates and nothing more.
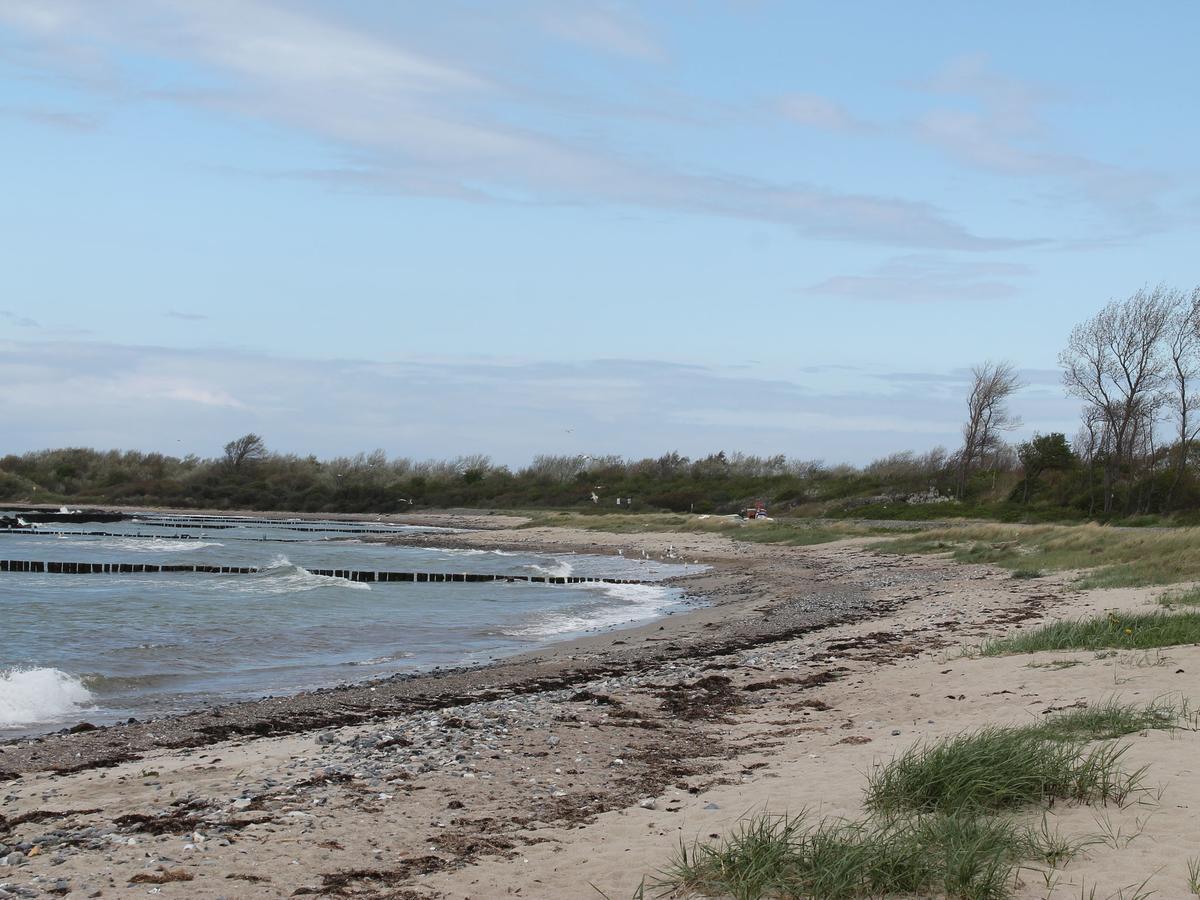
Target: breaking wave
(157, 545)
(30, 696)
(282, 576)
(560, 569)
(624, 604)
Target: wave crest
(282, 576)
(559, 569)
(157, 545)
(33, 695)
(624, 604)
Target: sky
(558, 226)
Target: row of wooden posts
(220, 526)
(97, 568)
(152, 537)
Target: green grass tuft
(1110, 719)
(997, 769)
(781, 856)
(1142, 631)
(1027, 573)
(1189, 597)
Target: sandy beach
(576, 771)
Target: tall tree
(1044, 452)
(1115, 363)
(988, 415)
(1183, 353)
(248, 448)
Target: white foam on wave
(627, 603)
(156, 545)
(282, 576)
(560, 569)
(33, 695)
(380, 660)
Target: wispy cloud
(924, 278)
(414, 121)
(609, 29)
(815, 111)
(1003, 128)
(185, 316)
(18, 320)
(50, 118)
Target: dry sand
(580, 768)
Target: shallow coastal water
(105, 647)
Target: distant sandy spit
(578, 769)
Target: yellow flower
(1129, 631)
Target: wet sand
(585, 763)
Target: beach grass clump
(1055, 664)
(791, 857)
(1188, 597)
(1108, 557)
(1137, 631)
(999, 768)
(1110, 719)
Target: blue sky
(577, 227)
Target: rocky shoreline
(725, 629)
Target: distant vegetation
(1134, 366)
(719, 483)
(1053, 485)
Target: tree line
(1133, 365)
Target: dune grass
(1111, 719)
(1110, 557)
(794, 532)
(1188, 597)
(780, 856)
(996, 769)
(1140, 631)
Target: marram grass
(1106, 556)
(996, 769)
(1140, 631)
(1188, 597)
(1112, 719)
(792, 857)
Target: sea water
(106, 647)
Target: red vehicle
(757, 511)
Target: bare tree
(1091, 443)
(1114, 362)
(246, 449)
(1183, 350)
(987, 414)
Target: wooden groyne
(30, 532)
(41, 532)
(105, 568)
